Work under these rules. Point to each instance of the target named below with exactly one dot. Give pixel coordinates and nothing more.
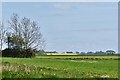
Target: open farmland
(92, 57)
(60, 67)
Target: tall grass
(55, 68)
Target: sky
(60, 0)
(71, 26)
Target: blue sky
(88, 26)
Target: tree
(110, 52)
(90, 52)
(77, 52)
(15, 41)
(31, 34)
(27, 30)
(14, 36)
(24, 38)
(100, 52)
(15, 24)
(2, 35)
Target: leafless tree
(2, 35)
(15, 24)
(28, 30)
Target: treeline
(22, 37)
(100, 52)
(90, 52)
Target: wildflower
(44, 73)
(105, 76)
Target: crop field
(92, 57)
(61, 67)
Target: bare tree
(31, 34)
(28, 30)
(15, 24)
(2, 35)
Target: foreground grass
(59, 68)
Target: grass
(79, 57)
(53, 67)
(65, 54)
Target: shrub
(21, 53)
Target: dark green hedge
(20, 53)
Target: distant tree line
(100, 52)
(51, 52)
(89, 52)
(22, 36)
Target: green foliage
(16, 48)
(21, 53)
(80, 57)
(24, 71)
(16, 41)
(59, 68)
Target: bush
(20, 53)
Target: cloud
(62, 6)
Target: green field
(61, 67)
